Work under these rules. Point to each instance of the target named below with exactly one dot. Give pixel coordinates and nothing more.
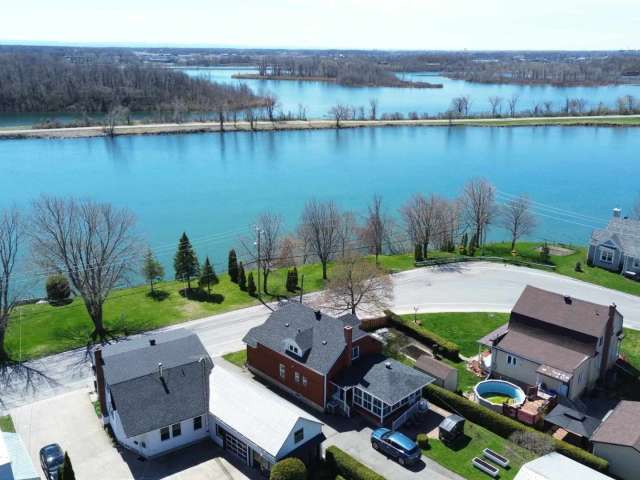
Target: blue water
(212, 186)
(319, 97)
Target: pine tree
(185, 262)
(251, 285)
(152, 269)
(232, 269)
(417, 253)
(242, 278)
(208, 276)
(294, 279)
(66, 470)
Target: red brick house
(331, 364)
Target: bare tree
(266, 250)
(516, 217)
(478, 207)
(250, 116)
(271, 104)
(420, 215)
(10, 239)
(92, 243)
(496, 105)
(114, 117)
(357, 283)
(340, 112)
(373, 109)
(461, 105)
(321, 226)
(448, 221)
(347, 232)
(287, 253)
(513, 104)
(375, 228)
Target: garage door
(236, 446)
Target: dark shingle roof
(621, 427)
(385, 378)
(147, 402)
(322, 340)
(572, 421)
(431, 366)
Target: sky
(358, 24)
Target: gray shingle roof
(322, 339)
(621, 426)
(147, 402)
(624, 232)
(385, 378)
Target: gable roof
(385, 378)
(429, 365)
(623, 232)
(621, 426)
(144, 400)
(14, 453)
(572, 421)
(262, 417)
(555, 466)
(560, 311)
(322, 340)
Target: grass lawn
(237, 358)
(6, 424)
(630, 348)
(477, 438)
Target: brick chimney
(608, 333)
(348, 338)
(102, 397)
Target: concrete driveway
(70, 420)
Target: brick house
(331, 364)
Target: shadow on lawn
(158, 295)
(198, 295)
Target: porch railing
(398, 422)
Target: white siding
(624, 462)
(310, 429)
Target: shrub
(505, 426)
(289, 469)
(344, 464)
(578, 267)
(58, 290)
(445, 347)
(423, 441)
(533, 441)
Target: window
(304, 381)
(636, 263)
(298, 435)
(606, 255)
(176, 430)
(600, 341)
(580, 378)
(511, 360)
(294, 349)
(355, 352)
(283, 371)
(296, 377)
(164, 434)
(197, 423)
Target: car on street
(396, 445)
(51, 459)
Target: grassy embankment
(6, 424)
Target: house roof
(572, 421)
(253, 411)
(322, 339)
(555, 466)
(13, 451)
(384, 378)
(433, 367)
(623, 232)
(146, 401)
(621, 426)
(561, 311)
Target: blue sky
(368, 24)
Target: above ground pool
(493, 393)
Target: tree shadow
(198, 295)
(158, 295)
(61, 303)
(459, 443)
(16, 376)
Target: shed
(444, 375)
(451, 428)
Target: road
(477, 286)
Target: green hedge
(289, 469)
(448, 349)
(505, 426)
(344, 464)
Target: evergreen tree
(185, 262)
(66, 470)
(417, 253)
(242, 278)
(232, 269)
(294, 279)
(251, 285)
(208, 276)
(58, 289)
(152, 269)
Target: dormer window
(293, 349)
(355, 352)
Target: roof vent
(160, 369)
(616, 213)
(318, 314)
(152, 342)
(286, 324)
(324, 342)
(567, 299)
(388, 365)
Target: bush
(289, 469)
(344, 464)
(506, 427)
(423, 441)
(445, 347)
(58, 290)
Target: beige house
(617, 440)
(561, 344)
(444, 375)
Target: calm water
(319, 97)
(213, 186)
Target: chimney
(318, 314)
(152, 342)
(160, 369)
(388, 365)
(567, 299)
(608, 334)
(102, 398)
(348, 337)
(616, 213)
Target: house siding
(594, 257)
(624, 462)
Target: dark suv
(51, 459)
(396, 445)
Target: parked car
(396, 445)
(51, 459)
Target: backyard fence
(511, 261)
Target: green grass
(477, 439)
(237, 358)
(466, 379)
(549, 121)
(96, 408)
(630, 348)
(6, 424)
(497, 398)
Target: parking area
(71, 421)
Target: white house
(154, 391)
(15, 463)
(555, 466)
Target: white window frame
(296, 377)
(304, 381)
(355, 352)
(609, 252)
(283, 371)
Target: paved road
(478, 286)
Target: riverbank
(394, 84)
(207, 127)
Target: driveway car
(396, 445)
(51, 459)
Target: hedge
(289, 469)
(448, 349)
(344, 464)
(505, 426)
(423, 441)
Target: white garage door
(236, 446)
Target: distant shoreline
(243, 126)
(400, 84)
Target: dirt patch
(558, 251)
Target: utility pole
(301, 287)
(258, 262)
